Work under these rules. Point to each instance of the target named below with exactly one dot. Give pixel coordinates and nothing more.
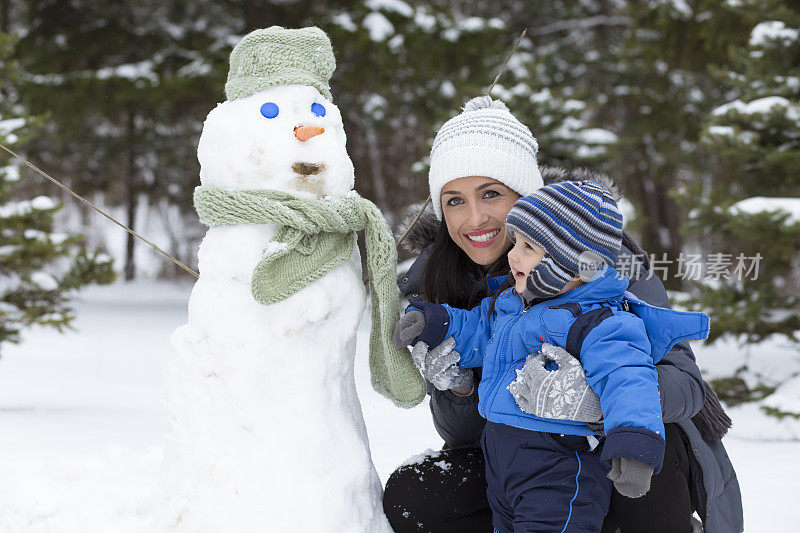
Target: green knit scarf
(316, 236)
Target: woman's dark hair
(452, 278)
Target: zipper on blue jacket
(501, 351)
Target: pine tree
(741, 208)
(658, 89)
(39, 268)
(125, 87)
(559, 77)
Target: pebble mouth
(308, 169)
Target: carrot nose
(304, 133)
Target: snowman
(267, 432)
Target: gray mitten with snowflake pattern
(561, 394)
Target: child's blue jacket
(618, 355)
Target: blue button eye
(270, 110)
(318, 109)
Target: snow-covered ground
(82, 422)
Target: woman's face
(475, 209)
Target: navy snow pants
(542, 482)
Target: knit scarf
(315, 237)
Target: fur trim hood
(422, 234)
(424, 231)
(552, 175)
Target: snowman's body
(267, 431)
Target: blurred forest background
(692, 105)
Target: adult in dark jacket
(446, 491)
(482, 161)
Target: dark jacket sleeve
(679, 382)
(410, 283)
(455, 417)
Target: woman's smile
(482, 238)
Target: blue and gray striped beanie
(577, 223)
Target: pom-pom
(484, 102)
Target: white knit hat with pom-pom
(484, 140)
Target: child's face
(522, 258)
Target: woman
(482, 161)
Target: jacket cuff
(635, 443)
(458, 399)
(437, 321)
(451, 396)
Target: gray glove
(408, 328)
(631, 477)
(438, 365)
(561, 394)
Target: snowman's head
(287, 138)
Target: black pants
(668, 504)
(446, 493)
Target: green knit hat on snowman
(278, 56)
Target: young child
(546, 474)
